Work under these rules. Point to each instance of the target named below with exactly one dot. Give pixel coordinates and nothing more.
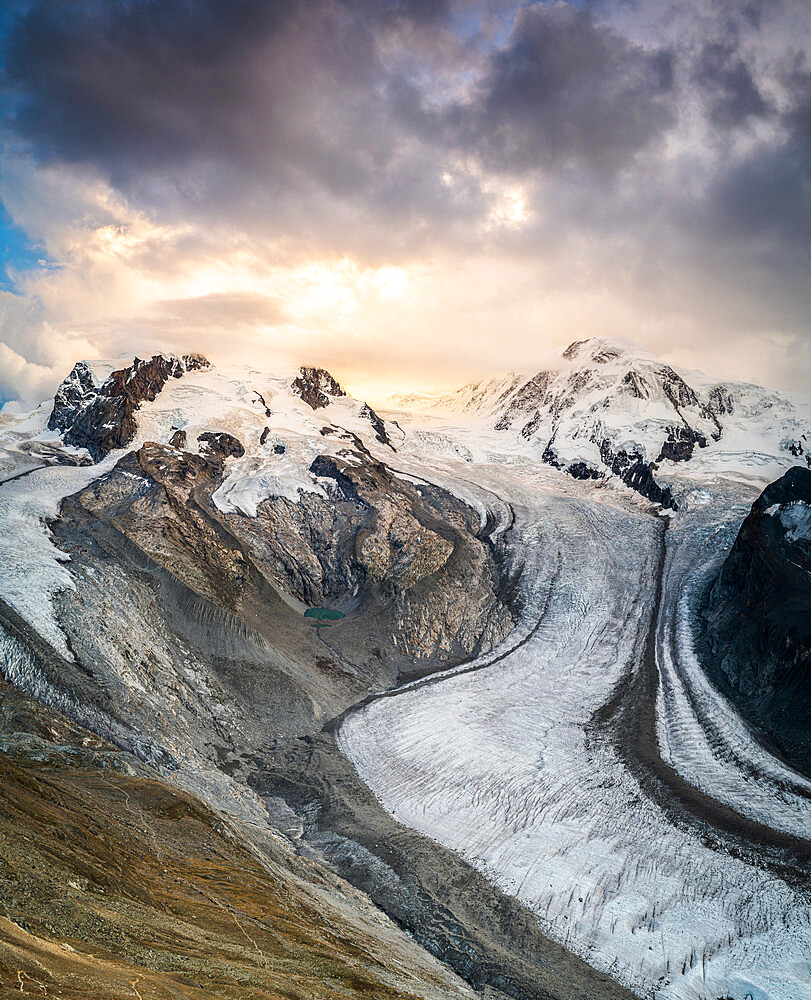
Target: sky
(411, 194)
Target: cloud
(728, 84)
(20, 379)
(438, 187)
(564, 88)
(221, 309)
(260, 106)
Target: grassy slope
(112, 885)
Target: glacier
(509, 764)
(585, 765)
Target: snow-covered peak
(281, 419)
(611, 407)
(274, 420)
(606, 351)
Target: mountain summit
(613, 408)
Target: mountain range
(492, 693)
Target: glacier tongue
(512, 765)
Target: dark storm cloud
(280, 95)
(276, 102)
(567, 88)
(639, 135)
(766, 193)
(728, 85)
(238, 87)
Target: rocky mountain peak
(79, 386)
(101, 418)
(315, 386)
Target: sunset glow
(411, 194)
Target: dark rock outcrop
(531, 426)
(800, 449)
(75, 391)
(682, 396)
(218, 445)
(757, 616)
(178, 440)
(102, 418)
(679, 444)
(634, 385)
(315, 386)
(577, 470)
(720, 401)
(635, 472)
(377, 423)
(574, 349)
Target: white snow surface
(615, 392)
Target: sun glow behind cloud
(432, 193)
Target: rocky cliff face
(101, 418)
(757, 644)
(405, 563)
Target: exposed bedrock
(202, 612)
(217, 446)
(409, 554)
(757, 613)
(636, 473)
(680, 442)
(315, 386)
(191, 650)
(378, 425)
(101, 418)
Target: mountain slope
(114, 884)
(155, 593)
(613, 408)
